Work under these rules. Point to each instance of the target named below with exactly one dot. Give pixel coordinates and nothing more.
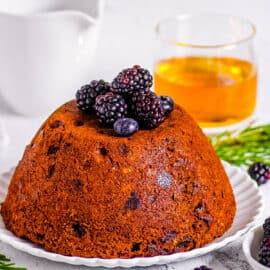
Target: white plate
(249, 208)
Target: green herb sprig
(7, 264)
(245, 147)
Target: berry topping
(125, 126)
(86, 96)
(110, 107)
(259, 172)
(132, 79)
(264, 251)
(147, 109)
(266, 227)
(129, 95)
(202, 267)
(167, 104)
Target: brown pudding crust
(81, 191)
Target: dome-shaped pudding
(81, 191)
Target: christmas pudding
(86, 189)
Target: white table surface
(129, 25)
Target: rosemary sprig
(245, 147)
(7, 264)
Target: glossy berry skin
(131, 80)
(167, 104)
(109, 108)
(259, 172)
(125, 127)
(146, 107)
(203, 267)
(86, 96)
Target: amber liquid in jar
(216, 91)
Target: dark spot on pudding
(40, 236)
(154, 250)
(186, 243)
(164, 179)
(199, 208)
(52, 150)
(135, 247)
(171, 147)
(123, 149)
(78, 123)
(78, 183)
(51, 170)
(208, 220)
(87, 164)
(78, 229)
(25, 237)
(169, 235)
(153, 242)
(56, 124)
(67, 146)
(173, 197)
(133, 202)
(103, 151)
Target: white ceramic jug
(46, 51)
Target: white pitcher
(47, 50)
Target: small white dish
(249, 203)
(251, 245)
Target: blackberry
(110, 107)
(86, 96)
(147, 109)
(167, 104)
(203, 267)
(132, 79)
(264, 252)
(125, 126)
(259, 172)
(266, 227)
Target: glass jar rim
(187, 16)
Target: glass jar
(206, 62)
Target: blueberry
(125, 126)
(167, 104)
